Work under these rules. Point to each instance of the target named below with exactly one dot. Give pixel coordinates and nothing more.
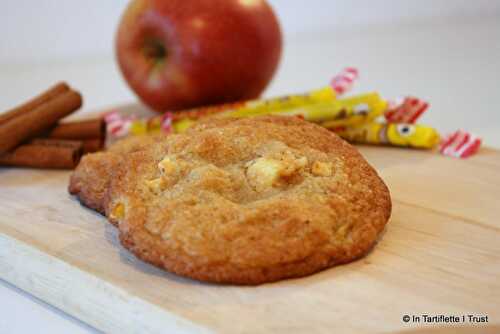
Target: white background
(37, 31)
(447, 52)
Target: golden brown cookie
(248, 201)
(90, 180)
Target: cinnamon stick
(49, 94)
(92, 145)
(78, 130)
(45, 153)
(32, 123)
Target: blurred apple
(178, 54)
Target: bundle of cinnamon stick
(31, 135)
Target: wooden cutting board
(440, 254)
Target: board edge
(83, 295)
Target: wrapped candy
(152, 125)
(320, 106)
(406, 135)
(459, 144)
(344, 81)
(405, 110)
(261, 107)
(365, 118)
(356, 110)
(334, 113)
(312, 106)
(117, 126)
(288, 102)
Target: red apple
(179, 54)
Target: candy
(405, 110)
(166, 122)
(117, 126)
(460, 144)
(353, 110)
(313, 106)
(113, 121)
(406, 135)
(320, 106)
(317, 112)
(344, 81)
(364, 118)
(356, 110)
(326, 111)
(260, 107)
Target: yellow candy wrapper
(405, 135)
(365, 118)
(262, 106)
(312, 106)
(320, 108)
(145, 126)
(356, 110)
(280, 104)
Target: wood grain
(440, 254)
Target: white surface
(22, 313)
(453, 64)
(55, 30)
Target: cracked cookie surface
(248, 201)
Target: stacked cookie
(242, 201)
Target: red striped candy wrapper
(405, 110)
(166, 122)
(117, 126)
(460, 144)
(344, 81)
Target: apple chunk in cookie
(267, 172)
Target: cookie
(248, 201)
(90, 180)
